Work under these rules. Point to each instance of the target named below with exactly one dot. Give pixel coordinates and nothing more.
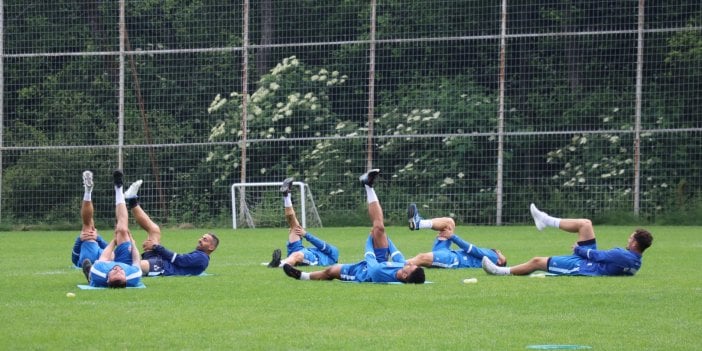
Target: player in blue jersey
(321, 254)
(383, 262)
(88, 244)
(586, 259)
(118, 264)
(157, 259)
(441, 255)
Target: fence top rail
(245, 184)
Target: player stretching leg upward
(322, 254)
(586, 258)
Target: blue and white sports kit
(587, 260)
(123, 258)
(99, 270)
(469, 256)
(165, 262)
(87, 249)
(375, 268)
(322, 254)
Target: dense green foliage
(444, 90)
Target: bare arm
(136, 257)
(108, 253)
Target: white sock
(119, 195)
(425, 224)
(88, 196)
(287, 200)
(304, 276)
(502, 271)
(370, 194)
(549, 221)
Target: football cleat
(118, 178)
(88, 181)
(275, 259)
(488, 266)
(413, 217)
(133, 189)
(369, 177)
(292, 272)
(86, 268)
(286, 187)
(536, 214)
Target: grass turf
(243, 305)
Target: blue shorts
(311, 256)
(354, 272)
(90, 250)
(568, 264)
(156, 267)
(123, 253)
(444, 257)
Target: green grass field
(245, 306)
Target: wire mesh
(593, 110)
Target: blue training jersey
(617, 261)
(384, 272)
(380, 270)
(193, 263)
(99, 270)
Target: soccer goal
(261, 204)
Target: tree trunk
(263, 55)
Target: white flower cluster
(330, 78)
(411, 118)
(288, 63)
(217, 130)
(448, 181)
(608, 167)
(218, 102)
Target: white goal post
(253, 202)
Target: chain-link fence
(470, 109)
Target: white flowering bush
(442, 161)
(291, 101)
(598, 169)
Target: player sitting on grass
(441, 255)
(118, 265)
(383, 262)
(586, 258)
(89, 244)
(322, 254)
(158, 260)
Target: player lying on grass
(441, 255)
(118, 264)
(383, 262)
(158, 260)
(89, 244)
(586, 258)
(322, 254)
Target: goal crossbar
(242, 186)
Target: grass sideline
(243, 305)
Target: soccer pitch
(243, 305)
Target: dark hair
(643, 238)
(215, 238)
(117, 284)
(504, 264)
(416, 277)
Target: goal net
(261, 205)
